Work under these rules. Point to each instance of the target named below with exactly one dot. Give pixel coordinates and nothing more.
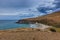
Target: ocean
(11, 24)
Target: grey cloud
(16, 3)
(51, 8)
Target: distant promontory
(52, 19)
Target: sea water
(10, 24)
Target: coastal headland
(52, 19)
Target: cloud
(18, 3)
(8, 14)
(49, 6)
(27, 8)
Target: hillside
(52, 19)
(28, 34)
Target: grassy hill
(52, 19)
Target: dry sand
(28, 34)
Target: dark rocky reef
(26, 21)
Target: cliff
(52, 19)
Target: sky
(19, 9)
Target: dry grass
(31, 34)
(57, 29)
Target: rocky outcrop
(28, 21)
